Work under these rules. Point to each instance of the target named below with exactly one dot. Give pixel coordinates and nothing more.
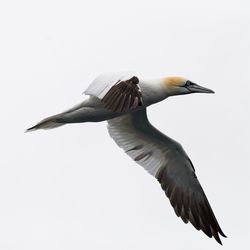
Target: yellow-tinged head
(173, 81)
(176, 85)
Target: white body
(93, 110)
(165, 159)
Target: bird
(121, 99)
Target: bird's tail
(47, 123)
(80, 113)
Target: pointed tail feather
(47, 123)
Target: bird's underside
(121, 103)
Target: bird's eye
(188, 83)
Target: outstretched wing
(119, 92)
(165, 159)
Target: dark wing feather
(123, 96)
(165, 159)
(188, 199)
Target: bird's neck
(153, 91)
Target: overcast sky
(72, 187)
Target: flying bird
(121, 99)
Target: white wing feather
(126, 136)
(104, 82)
(165, 159)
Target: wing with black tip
(166, 160)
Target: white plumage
(102, 84)
(121, 99)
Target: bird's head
(175, 85)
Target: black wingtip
(218, 240)
(222, 234)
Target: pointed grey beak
(195, 88)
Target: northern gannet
(122, 99)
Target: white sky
(72, 187)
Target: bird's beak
(195, 88)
